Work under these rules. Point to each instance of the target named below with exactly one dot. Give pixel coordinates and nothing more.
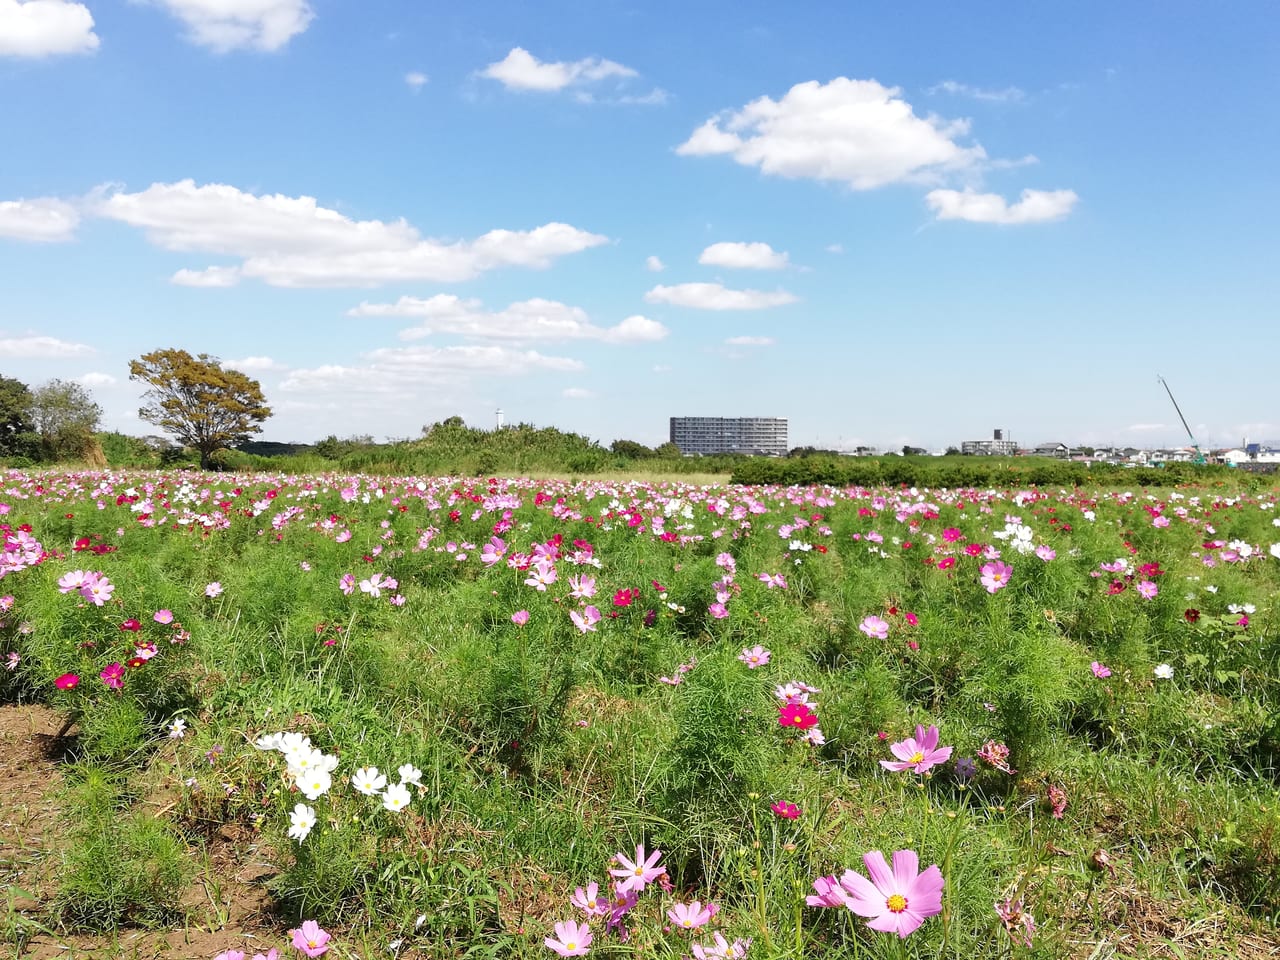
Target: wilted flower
(1019, 924)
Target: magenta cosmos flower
(897, 900)
(918, 753)
(571, 940)
(67, 681)
(995, 575)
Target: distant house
(1052, 450)
(997, 446)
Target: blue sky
(887, 223)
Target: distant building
(1052, 450)
(758, 436)
(997, 446)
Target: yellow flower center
(687, 923)
(639, 871)
(917, 757)
(896, 903)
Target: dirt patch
(226, 907)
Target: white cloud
(834, 248)
(851, 131)
(576, 393)
(521, 70)
(97, 380)
(224, 25)
(654, 265)
(526, 320)
(405, 370)
(37, 347)
(416, 80)
(294, 242)
(714, 296)
(255, 365)
(1008, 94)
(208, 277)
(743, 256)
(1034, 206)
(42, 220)
(43, 28)
(751, 341)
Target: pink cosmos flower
(310, 939)
(897, 900)
(1101, 671)
(796, 715)
(571, 940)
(788, 811)
(113, 676)
(690, 916)
(829, 893)
(1046, 552)
(756, 656)
(67, 681)
(718, 610)
(721, 949)
(582, 586)
(995, 575)
(1147, 589)
(73, 581)
(589, 900)
(911, 618)
(585, 621)
(493, 551)
(163, 616)
(272, 954)
(520, 618)
(213, 590)
(634, 875)
(229, 955)
(347, 584)
(919, 753)
(873, 626)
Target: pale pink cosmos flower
(589, 900)
(543, 575)
(896, 900)
(229, 955)
(634, 875)
(690, 916)
(919, 753)
(587, 620)
(829, 893)
(721, 949)
(582, 586)
(347, 584)
(995, 575)
(163, 616)
(520, 618)
(718, 610)
(1100, 670)
(213, 590)
(1147, 589)
(99, 591)
(774, 581)
(310, 939)
(873, 626)
(756, 656)
(571, 940)
(1046, 552)
(73, 581)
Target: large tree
(200, 402)
(66, 418)
(17, 436)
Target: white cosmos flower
(410, 774)
(396, 797)
(1163, 672)
(301, 821)
(369, 781)
(300, 761)
(1275, 547)
(292, 741)
(314, 784)
(177, 728)
(268, 741)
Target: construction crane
(1199, 458)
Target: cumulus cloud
(208, 277)
(856, 132)
(527, 320)
(405, 370)
(744, 256)
(1034, 206)
(715, 296)
(45, 28)
(294, 242)
(654, 265)
(1008, 94)
(521, 70)
(224, 25)
(44, 348)
(42, 220)
(415, 80)
(97, 380)
(751, 341)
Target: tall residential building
(996, 446)
(760, 436)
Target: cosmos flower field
(529, 718)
